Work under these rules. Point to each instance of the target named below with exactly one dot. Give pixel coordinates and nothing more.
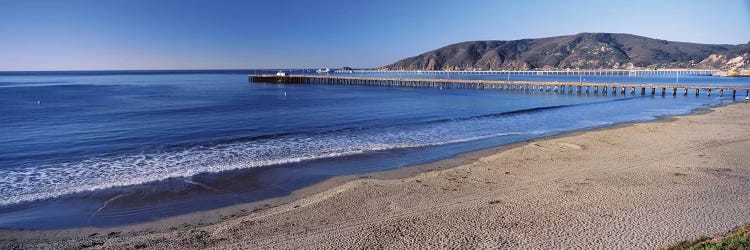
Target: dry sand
(642, 185)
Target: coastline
(200, 229)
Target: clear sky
(222, 34)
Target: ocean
(107, 148)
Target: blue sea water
(119, 147)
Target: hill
(580, 51)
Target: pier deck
(571, 87)
(595, 72)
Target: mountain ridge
(579, 51)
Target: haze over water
(110, 148)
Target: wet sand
(641, 185)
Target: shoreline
(300, 198)
(274, 195)
(257, 183)
(398, 173)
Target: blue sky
(188, 34)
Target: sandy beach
(634, 186)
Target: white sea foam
(47, 181)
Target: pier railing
(570, 87)
(598, 72)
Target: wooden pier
(573, 72)
(556, 87)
